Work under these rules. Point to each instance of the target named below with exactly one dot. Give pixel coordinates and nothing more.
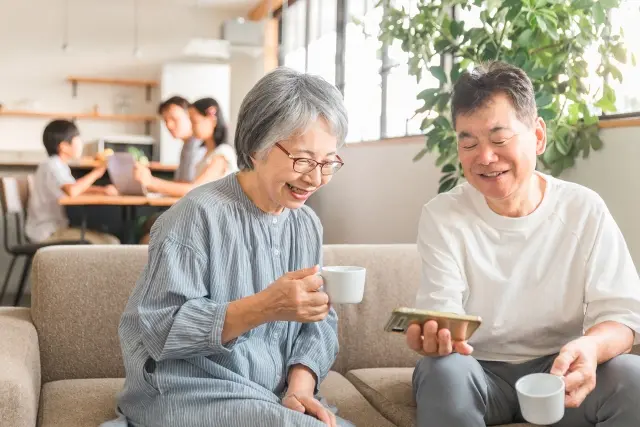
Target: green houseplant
(546, 38)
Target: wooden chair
(14, 196)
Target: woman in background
(219, 160)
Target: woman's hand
(296, 297)
(309, 405)
(142, 174)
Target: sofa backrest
(79, 293)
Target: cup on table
(344, 284)
(541, 398)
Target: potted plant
(547, 38)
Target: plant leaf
(599, 15)
(619, 53)
(448, 168)
(446, 176)
(420, 154)
(609, 4)
(542, 23)
(543, 99)
(548, 114)
(525, 37)
(438, 73)
(596, 142)
(447, 185)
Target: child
(46, 219)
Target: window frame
(606, 120)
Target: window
(627, 17)
(379, 93)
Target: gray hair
(284, 103)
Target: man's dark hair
(174, 100)
(474, 90)
(57, 132)
(221, 131)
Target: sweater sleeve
(442, 285)
(612, 288)
(178, 320)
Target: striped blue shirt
(215, 246)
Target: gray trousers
(461, 391)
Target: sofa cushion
(78, 403)
(79, 294)
(393, 276)
(390, 391)
(82, 403)
(351, 404)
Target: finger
(293, 403)
(318, 410)
(575, 399)
(444, 342)
(430, 332)
(301, 274)
(463, 348)
(312, 283)
(318, 299)
(414, 337)
(332, 417)
(573, 381)
(562, 363)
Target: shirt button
(276, 252)
(275, 220)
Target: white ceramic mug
(541, 398)
(344, 284)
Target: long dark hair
(221, 131)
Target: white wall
(378, 195)
(101, 43)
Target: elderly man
(542, 262)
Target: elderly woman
(228, 325)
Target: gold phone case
(461, 326)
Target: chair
(14, 196)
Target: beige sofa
(61, 365)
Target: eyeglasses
(306, 165)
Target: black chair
(14, 196)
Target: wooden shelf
(148, 84)
(87, 116)
(109, 81)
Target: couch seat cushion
(78, 403)
(351, 404)
(390, 391)
(82, 403)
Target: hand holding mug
(429, 341)
(296, 297)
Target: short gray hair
(284, 103)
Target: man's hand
(428, 341)
(577, 364)
(309, 405)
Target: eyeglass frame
(307, 159)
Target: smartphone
(461, 326)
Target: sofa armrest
(19, 368)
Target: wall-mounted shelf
(147, 120)
(148, 84)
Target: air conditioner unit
(240, 32)
(207, 48)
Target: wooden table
(128, 204)
(90, 163)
